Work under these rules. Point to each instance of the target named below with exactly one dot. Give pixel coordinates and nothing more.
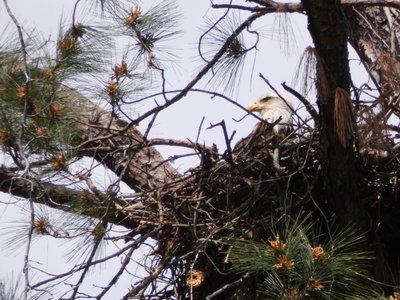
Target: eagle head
(272, 107)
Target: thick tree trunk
(328, 29)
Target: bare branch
(311, 110)
(178, 143)
(240, 7)
(227, 286)
(147, 280)
(113, 281)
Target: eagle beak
(252, 107)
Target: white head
(271, 107)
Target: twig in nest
(228, 141)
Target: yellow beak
(253, 107)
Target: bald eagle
(272, 107)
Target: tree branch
(56, 196)
(120, 146)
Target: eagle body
(271, 108)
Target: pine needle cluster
(31, 114)
(228, 69)
(149, 31)
(299, 262)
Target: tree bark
(327, 26)
(64, 198)
(120, 146)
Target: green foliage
(150, 30)
(81, 49)
(31, 112)
(300, 262)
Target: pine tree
(310, 216)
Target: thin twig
(113, 281)
(178, 143)
(139, 241)
(227, 286)
(147, 280)
(228, 140)
(311, 110)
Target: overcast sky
(180, 121)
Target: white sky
(180, 121)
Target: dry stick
(387, 3)
(147, 280)
(240, 7)
(298, 7)
(118, 274)
(74, 13)
(209, 30)
(27, 103)
(275, 161)
(199, 129)
(177, 143)
(228, 140)
(191, 272)
(136, 243)
(227, 286)
(150, 126)
(172, 158)
(313, 113)
(230, 101)
(85, 270)
(279, 7)
(205, 92)
(270, 125)
(28, 248)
